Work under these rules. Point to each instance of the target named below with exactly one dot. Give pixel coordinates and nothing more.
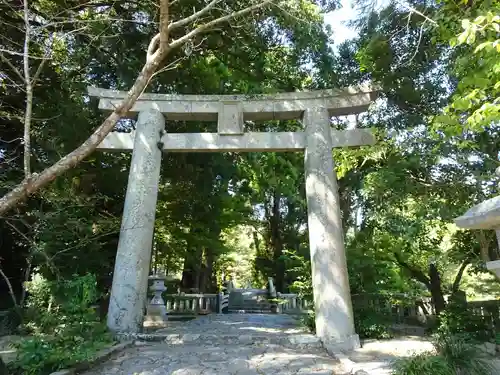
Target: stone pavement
(251, 344)
(237, 344)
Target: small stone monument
(156, 310)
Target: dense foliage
(62, 325)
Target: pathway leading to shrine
(235, 344)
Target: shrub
(65, 328)
(454, 355)
(420, 364)
(458, 320)
(370, 324)
(462, 355)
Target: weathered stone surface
(334, 316)
(247, 142)
(266, 349)
(130, 277)
(485, 215)
(304, 339)
(165, 359)
(285, 106)
(230, 119)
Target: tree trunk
(191, 272)
(208, 283)
(458, 278)
(435, 289)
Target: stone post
(130, 277)
(332, 298)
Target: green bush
(458, 320)
(65, 328)
(453, 355)
(371, 325)
(309, 321)
(462, 355)
(422, 364)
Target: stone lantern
(156, 311)
(485, 215)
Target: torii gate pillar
(332, 297)
(332, 300)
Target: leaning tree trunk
(158, 49)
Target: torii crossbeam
(334, 317)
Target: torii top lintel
(230, 111)
(283, 106)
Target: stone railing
(291, 303)
(402, 309)
(190, 303)
(489, 311)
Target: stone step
(301, 340)
(249, 305)
(248, 311)
(238, 307)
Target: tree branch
(35, 181)
(193, 17)
(208, 25)
(164, 20)
(34, 246)
(458, 277)
(412, 9)
(14, 69)
(9, 285)
(414, 272)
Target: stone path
(239, 344)
(251, 344)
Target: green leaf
(462, 38)
(482, 46)
(472, 38)
(465, 24)
(479, 19)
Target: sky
(337, 20)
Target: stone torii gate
(334, 316)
